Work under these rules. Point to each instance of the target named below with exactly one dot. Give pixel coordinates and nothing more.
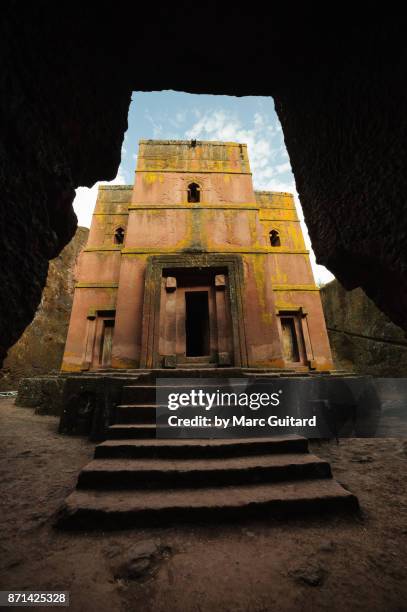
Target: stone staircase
(136, 479)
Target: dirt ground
(332, 564)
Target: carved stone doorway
(193, 312)
(195, 321)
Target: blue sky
(175, 115)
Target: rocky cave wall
(339, 85)
(362, 338)
(40, 348)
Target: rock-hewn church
(191, 267)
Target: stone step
(90, 509)
(195, 372)
(264, 376)
(193, 366)
(199, 449)
(143, 393)
(197, 473)
(135, 413)
(254, 372)
(139, 413)
(146, 393)
(124, 430)
(135, 431)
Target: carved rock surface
(362, 338)
(339, 88)
(40, 348)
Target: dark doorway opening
(105, 357)
(290, 342)
(197, 323)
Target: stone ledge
(43, 393)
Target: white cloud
(267, 153)
(157, 127)
(85, 200)
(283, 167)
(268, 159)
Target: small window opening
(119, 236)
(274, 238)
(194, 193)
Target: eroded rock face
(61, 128)
(40, 348)
(345, 135)
(339, 88)
(362, 338)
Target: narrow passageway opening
(197, 323)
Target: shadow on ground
(313, 564)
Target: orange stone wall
(230, 219)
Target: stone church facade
(190, 267)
